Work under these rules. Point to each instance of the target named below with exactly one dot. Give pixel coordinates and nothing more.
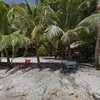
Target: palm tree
(92, 24)
(97, 50)
(0, 51)
(14, 40)
(8, 35)
(24, 19)
(4, 24)
(37, 35)
(33, 21)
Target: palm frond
(85, 4)
(53, 13)
(53, 31)
(29, 7)
(86, 26)
(91, 22)
(69, 37)
(81, 29)
(1, 35)
(37, 33)
(5, 42)
(16, 38)
(19, 15)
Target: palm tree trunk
(0, 58)
(69, 53)
(37, 55)
(97, 53)
(25, 51)
(97, 50)
(8, 59)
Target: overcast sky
(19, 1)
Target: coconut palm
(4, 24)
(92, 24)
(37, 35)
(14, 40)
(97, 50)
(24, 18)
(8, 37)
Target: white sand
(49, 85)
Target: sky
(19, 1)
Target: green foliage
(53, 31)
(91, 22)
(49, 21)
(16, 40)
(46, 49)
(37, 32)
(4, 23)
(42, 51)
(69, 13)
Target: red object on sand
(26, 64)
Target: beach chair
(70, 66)
(26, 64)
